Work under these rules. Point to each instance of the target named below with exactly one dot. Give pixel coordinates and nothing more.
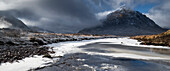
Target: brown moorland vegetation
(162, 39)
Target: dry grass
(162, 39)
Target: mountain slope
(125, 22)
(38, 29)
(12, 23)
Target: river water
(111, 55)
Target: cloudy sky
(73, 15)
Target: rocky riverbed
(18, 45)
(14, 53)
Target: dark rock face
(125, 22)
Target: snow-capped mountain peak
(123, 8)
(125, 21)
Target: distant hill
(162, 39)
(37, 29)
(125, 22)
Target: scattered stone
(59, 56)
(2, 43)
(10, 43)
(14, 53)
(38, 40)
(47, 56)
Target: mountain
(12, 23)
(9, 22)
(125, 22)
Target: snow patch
(103, 15)
(25, 64)
(108, 66)
(131, 42)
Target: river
(109, 54)
(114, 54)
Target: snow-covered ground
(25, 64)
(72, 47)
(131, 42)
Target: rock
(47, 56)
(2, 43)
(35, 43)
(13, 53)
(59, 56)
(10, 43)
(38, 40)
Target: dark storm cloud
(23, 13)
(67, 14)
(56, 15)
(71, 15)
(68, 7)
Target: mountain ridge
(12, 23)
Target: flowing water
(103, 56)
